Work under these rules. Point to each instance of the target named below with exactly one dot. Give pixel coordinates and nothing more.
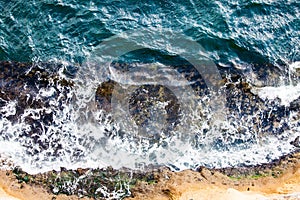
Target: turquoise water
(237, 32)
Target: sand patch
(210, 184)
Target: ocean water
(231, 32)
(149, 44)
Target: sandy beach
(184, 185)
(286, 187)
(210, 184)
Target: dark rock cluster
(22, 83)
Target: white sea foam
(82, 136)
(286, 93)
(295, 66)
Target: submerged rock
(32, 95)
(296, 142)
(37, 94)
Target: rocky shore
(277, 180)
(24, 85)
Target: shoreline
(185, 185)
(177, 187)
(12, 189)
(277, 180)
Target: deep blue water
(235, 32)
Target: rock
(103, 95)
(296, 142)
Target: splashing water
(151, 105)
(62, 125)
